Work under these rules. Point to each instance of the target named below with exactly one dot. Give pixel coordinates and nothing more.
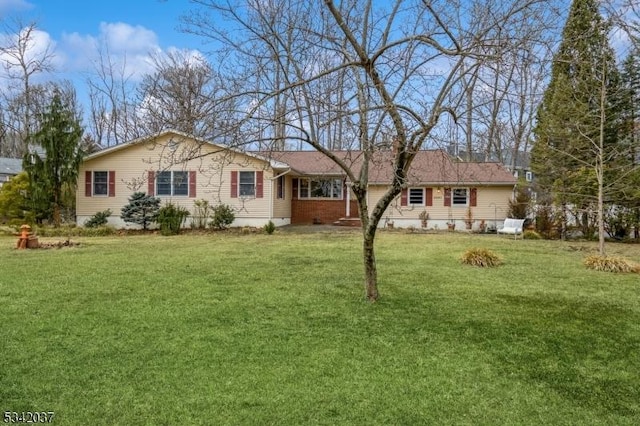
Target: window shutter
(112, 183)
(447, 197)
(473, 198)
(429, 197)
(403, 197)
(87, 183)
(259, 184)
(151, 183)
(192, 183)
(234, 184)
(294, 188)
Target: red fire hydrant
(24, 236)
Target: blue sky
(74, 29)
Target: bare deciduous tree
(397, 69)
(112, 117)
(22, 59)
(180, 95)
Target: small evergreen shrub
(171, 218)
(270, 227)
(222, 216)
(98, 219)
(531, 235)
(142, 209)
(610, 264)
(480, 257)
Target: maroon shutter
(112, 183)
(234, 184)
(259, 184)
(403, 197)
(447, 197)
(473, 199)
(192, 183)
(151, 184)
(87, 183)
(429, 197)
(294, 189)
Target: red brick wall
(304, 212)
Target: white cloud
(129, 48)
(9, 6)
(38, 44)
(124, 37)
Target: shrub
(531, 235)
(201, 212)
(270, 227)
(171, 218)
(98, 219)
(222, 216)
(141, 210)
(480, 257)
(546, 222)
(610, 264)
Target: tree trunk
(370, 271)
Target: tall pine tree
(54, 175)
(566, 150)
(626, 186)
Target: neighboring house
(300, 187)
(518, 162)
(9, 167)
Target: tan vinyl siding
(213, 176)
(282, 207)
(492, 201)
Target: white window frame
(453, 197)
(413, 192)
(529, 176)
(281, 189)
(94, 193)
(172, 183)
(305, 189)
(247, 189)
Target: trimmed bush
(171, 218)
(480, 257)
(222, 216)
(610, 264)
(98, 219)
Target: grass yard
(258, 329)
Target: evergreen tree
(569, 126)
(142, 209)
(14, 196)
(626, 184)
(53, 177)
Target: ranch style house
(289, 187)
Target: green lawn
(258, 329)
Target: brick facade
(306, 212)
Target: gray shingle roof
(10, 166)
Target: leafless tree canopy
(363, 76)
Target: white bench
(512, 226)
